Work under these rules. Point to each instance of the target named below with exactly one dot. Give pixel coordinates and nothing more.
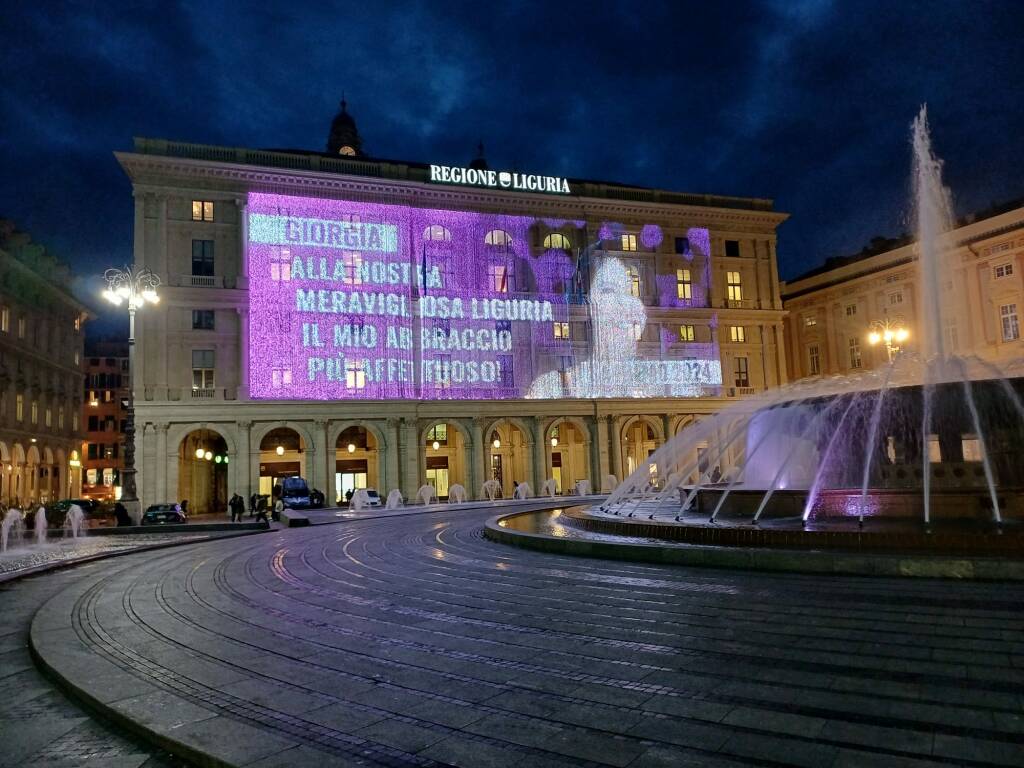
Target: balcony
(202, 281)
(204, 394)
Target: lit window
(737, 333)
(971, 447)
(202, 210)
(742, 367)
(686, 333)
(78, 323)
(1008, 318)
(684, 288)
(498, 276)
(556, 240)
(734, 287)
(854, 352)
(1004, 270)
(202, 319)
(628, 242)
(355, 374)
(438, 433)
(561, 330)
(280, 264)
(814, 360)
(732, 248)
(435, 233)
(352, 263)
(74, 421)
(851, 310)
(499, 238)
(60, 418)
(280, 377)
(19, 407)
(634, 280)
(48, 417)
(202, 369)
(810, 321)
(21, 327)
(934, 450)
(108, 476)
(896, 298)
(5, 320)
(638, 331)
(35, 412)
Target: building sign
(519, 182)
(369, 301)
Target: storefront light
(351, 447)
(199, 453)
(279, 450)
(208, 455)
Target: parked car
(373, 496)
(56, 510)
(161, 514)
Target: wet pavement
(414, 641)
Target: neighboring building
(103, 418)
(40, 373)
(832, 309)
(365, 322)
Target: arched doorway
(568, 453)
(509, 461)
(47, 488)
(6, 470)
(640, 438)
(74, 473)
(32, 464)
(445, 461)
(203, 472)
(356, 462)
(283, 453)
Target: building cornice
(164, 175)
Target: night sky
(808, 103)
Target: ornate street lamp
(137, 287)
(892, 334)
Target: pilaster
(392, 459)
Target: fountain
(360, 500)
(929, 438)
(582, 487)
(395, 500)
(522, 491)
(456, 494)
(549, 488)
(490, 489)
(40, 525)
(73, 521)
(426, 493)
(11, 528)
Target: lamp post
(891, 334)
(137, 287)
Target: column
(329, 462)
(392, 459)
(539, 473)
(242, 282)
(321, 453)
(161, 462)
(244, 460)
(243, 353)
(411, 479)
(479, 463)
(615, 436)
(602, 465)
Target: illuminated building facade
(833, 310)
(41, 338)
(355, 322)
(104, 413)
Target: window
(634, 280)
(971, 446)
(683, 245)
(92, 451)
(628, 242)
(814, 360)
(1004, 270)
(48, 417)
(734, 287)
(498, 276)
(202, 369)
(557, 240)
(499, 238)
(5, 320)
(202, 258)
(280, 264)
(895, 298)
(810, 321)
(108, 396)
(355, 374)
(60, 419)
(686, 333)
(934, 449)
(352, 262)
(19, 407)
(78, 323)
(1008, 317)
(561, 330)
(851, 310)
(638, 331)
(34, 412)
(737, 333)
(949, 333)
(21, 327)
(202, 210)
(93, 424)
(854, 347)
(732, 247)
(435, 233)
(742, 368)
(684, 287)
(202, 319)
(280, 377)
(508, 371)
(438, 433)
(74, 421)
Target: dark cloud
(806, 102)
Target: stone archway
(444, 452)
(639, 437)
(511, 460)
(17, 481)
(359, 460)
(567, 452)
(203, 475)
(6, 470)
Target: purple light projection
(356, 300)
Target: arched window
(499, 238)
(437, 234)
(556, 240)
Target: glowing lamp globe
(208, 455)
(497, 443)
(554, 441)
(279, 450)
(435, 445)
(216, 459)
(351, 447)
(874, 338)
(199, 453)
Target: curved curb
(762, 559)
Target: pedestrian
(261, 509)
(121, 513)
(237, 508)
(278, 508)
(184, 507)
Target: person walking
(278, 508)
(261, 509)
(237, 508)
(253, 501)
